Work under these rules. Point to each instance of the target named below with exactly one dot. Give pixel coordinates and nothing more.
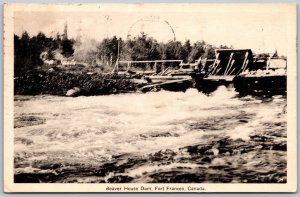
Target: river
(156, 137)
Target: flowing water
(161, 137)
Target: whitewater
(152, 137)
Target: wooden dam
(236, 68)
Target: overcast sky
(262, 30)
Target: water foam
(93, 129)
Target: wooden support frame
(116, 67)
(245, 60)
(230, 72)
(215, 65)
(229, 65)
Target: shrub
(58, 83)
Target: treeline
(27, 50)
(148, 48)
(103, 54)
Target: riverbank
(59, 82)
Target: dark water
(156, 137)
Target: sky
(262, 30)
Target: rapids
(153, 137)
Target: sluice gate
(227, 65)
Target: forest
(102, 55)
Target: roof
(233, 50)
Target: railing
(116, 68)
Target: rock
(206, 159)
(199, 149)
(215, 151)
(106, 168)
(279, 147)
(120, 179)
(165, 155)
(218, 162)
(73, 92)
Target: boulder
(73, 92)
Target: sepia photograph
(158, 97)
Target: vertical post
(118, 57)
(118, 49)
(115, 67)
(268, 63)
(198, 62)
(128, 66)
(244, 63)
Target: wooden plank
(164, 83)
(229, 65)
(160, 79)
(229, 72)
(150, 61)
(219, 77)
(170, 77)
(233, 50)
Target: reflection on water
(154, 137)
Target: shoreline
(58, 83)
(61, 83)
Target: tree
(27, 50)
(25, 54)
(108, 49)
(187, 48)
(37, 45)
(209, 52)
(173, 50)
(197, 51)
(140, 48)
(224, 47)
(67, 48)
